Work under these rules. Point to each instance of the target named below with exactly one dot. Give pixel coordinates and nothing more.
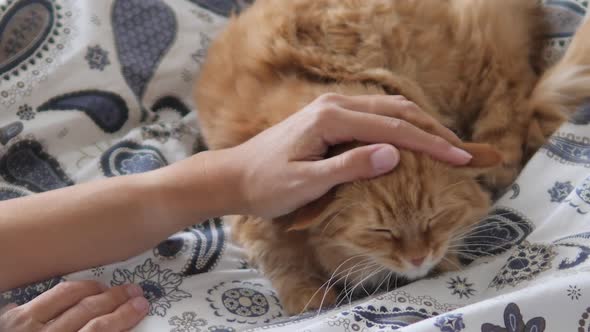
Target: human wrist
(203, 186)
(147, 193)
(222, 177)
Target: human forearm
(101, 222)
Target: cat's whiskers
(473, 254)
(483, 244)
(363, 274)
(345, 284)
(348, 275)
(462, 253)
(363, 286)
(474, 251)
(460, 268)
(481, 224)
(388, 276)
(452, 185)
(482, 237)
(351, 292)
(359, 266)
(478, 244)
(472, 232)
(389, 280)
(363, 266)
(478, 228)
(332, 276)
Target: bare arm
(101, 222)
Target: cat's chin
(418, 273)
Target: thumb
(361, 163)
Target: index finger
(350, 126)
(398, 107)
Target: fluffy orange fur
(472, 64)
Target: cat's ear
(309, 215)
(485, 156)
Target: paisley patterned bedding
(92, 89)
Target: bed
(92, 89)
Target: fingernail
(134, 290)
(384, 159)
(460, 154)
(103, 287)
(140, 304)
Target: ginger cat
(469, 63)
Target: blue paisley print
(106, 109)
(97, 58)
(128, 157)
(26, 27)
(560, 191)
(144, 32)
(392, 318)
(450, 323)
(514, 322)
(10, 131)
(27, 164)
(569, 149)
(497, 233)
(223, 7)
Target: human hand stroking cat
(296, 149)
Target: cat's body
(469, 63)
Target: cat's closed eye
(385, 231)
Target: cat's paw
(299, 300)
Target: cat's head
(408, 220)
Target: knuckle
(410, 106)
(90, 306)
(343, 161)
(67, 287)
(428, 125)
(431, 125)
(325, 114)
(373, 104)
(118, 295)
(396, 124)
(16, 317)
(403, 113)
(439, 142)
(99, 324)
(329, 98)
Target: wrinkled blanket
(92, 89)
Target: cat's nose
(417, 262)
